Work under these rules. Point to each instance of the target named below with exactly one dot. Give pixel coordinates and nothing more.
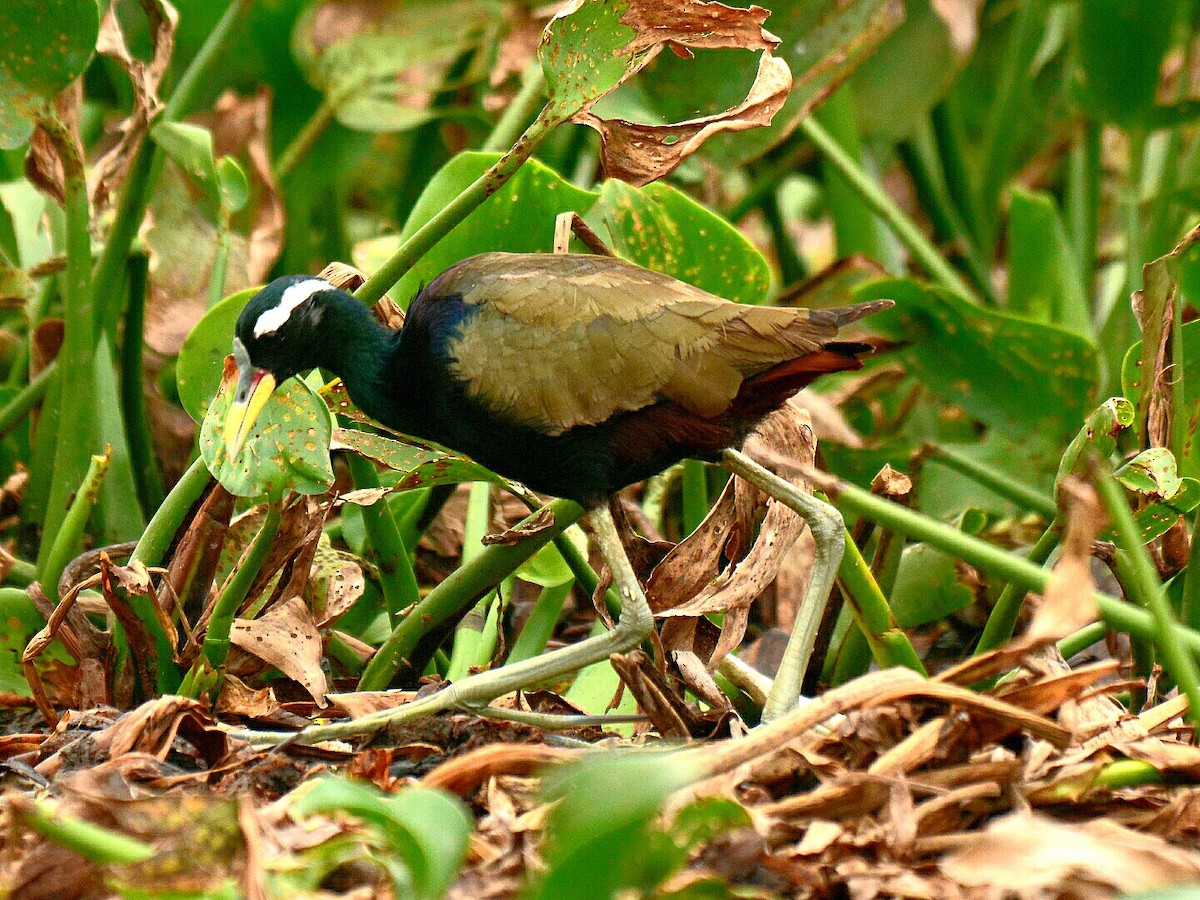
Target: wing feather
(608, 336)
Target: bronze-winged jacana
(576, 375)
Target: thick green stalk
(216, 640)
(946, 121)
(26, 399)
(1148, 592)
(995, 480)
(133, 394)
(1190, 611)
(694, 485)
(78, 404)
(854, 223)
(468, 648)
(70, 534)
(1002, 621)
(462, 589)
(889, 644)
(424, 238)
(396, 576)
(540, 625)
(1081, 202)
(160, 531)
(1120, 615)
(905, 229)
(92, 842)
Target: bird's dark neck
(356, 347)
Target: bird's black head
(279, 329)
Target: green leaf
(202, 358)
(1098, 435)
(1015, 375)
(21, 621)
(288, 449)
(585, 53)
(44, 46)
(191, 148)
(663, 229)
(379, 62)
(585, 837)
(1155, 519)
(234, 188)
(547, 568)
(519, 218)
(928, 587)
(1121, 46)
(896, 86)
(1152, 472)
(1043, 280)
(427, 829)
(822, 42)
(419, 465)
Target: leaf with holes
(420, 465)
(44, 46)
(287, 450)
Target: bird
(574, 374)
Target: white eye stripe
(274, 318)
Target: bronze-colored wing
(609, 336)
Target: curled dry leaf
(145, 77)
(1069, 603)
(726, 533)
(590, 48)
(286, 637)
(640, 154)
(43, 165)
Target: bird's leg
(829, 534)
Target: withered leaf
(286, 637)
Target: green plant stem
(143, 173)
(98, 845)
(163, 525)
(1159, 234)
(889, 644)
(77, 400)
(946, 122)
(1082, 202)
(518, 111)
(1120, 615)
(1000, 138)
(305, 138)
(424, 238)
(883, 205)
(468, 636)
(220, 266)
(26, 399)
(133, 394)
(855, 227)
(461, 589)
(396, 575)
(1082, 639)
(1120, 331)
(1190, 609)
(694, 485)
(70, 534)
(539, 627)
(994, 480)
(216, 640)
(1002, 621)
(1148, 592)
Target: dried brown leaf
(1069, 603)
(639, 153)
(287, 638)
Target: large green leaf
(44, 46)
(822, 41)
(1043, 278)
(663, 229)
(1121, 46)
(379, 62)
(425, 829)
(1012, 374)
(288, 449)
(202, 358)
(518, 217)
(910, 72)
(585, 53)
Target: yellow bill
(254, 388)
